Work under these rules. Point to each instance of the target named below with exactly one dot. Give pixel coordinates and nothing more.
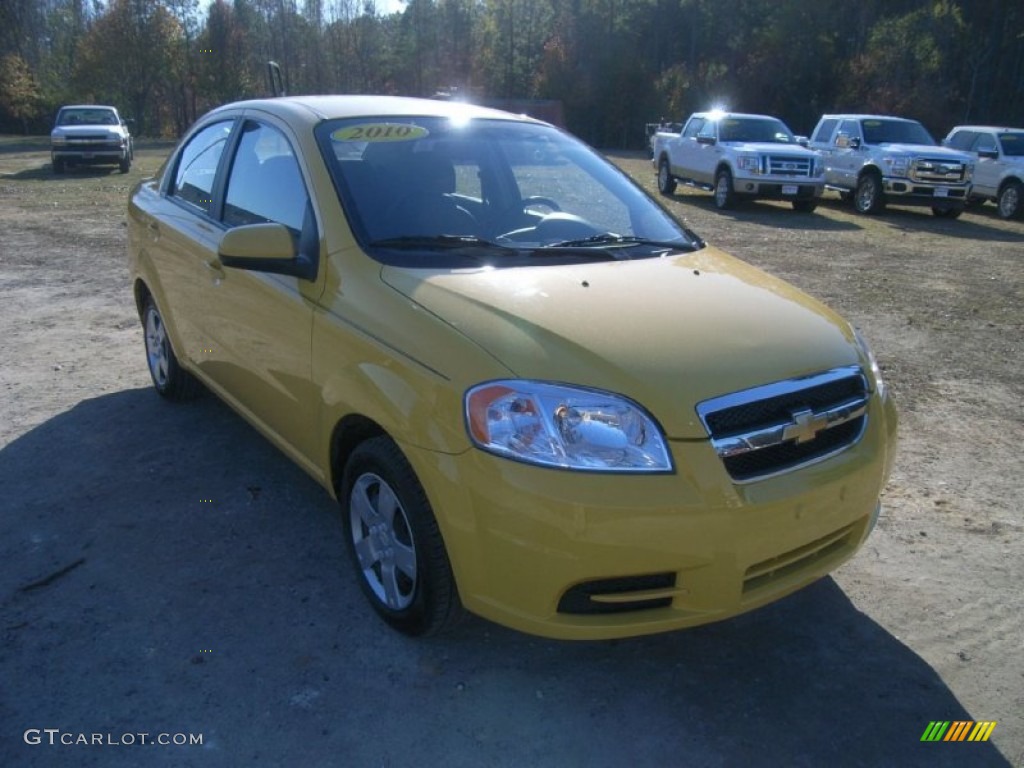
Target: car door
(685, 145)
(256, 326)
(181, 232)
(986, 169)
(706, 152)
(847, 154)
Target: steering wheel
(547, 202)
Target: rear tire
(394, 541)
(725, 198)
(169, 379)
(666, 184)
(868, 197)
(1010, 202)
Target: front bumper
(97, 156)
(547, 551)
(778, 190)
(904, 191)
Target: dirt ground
(164, 570)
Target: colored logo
(958, 730)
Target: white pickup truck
(999, 173)
(739, 156)
(875, 159)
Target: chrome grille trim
(934, 169)
(776, 428)
(781, 165)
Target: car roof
(88, 106)
(311, 110)
(719, 115)
(868, 117)
(994, 128)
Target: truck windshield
(87, 117)
(432, 188)
(895, 132)
(749, 129)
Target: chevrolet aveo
(533, 392)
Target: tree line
(613, 64)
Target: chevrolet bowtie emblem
(806, 426)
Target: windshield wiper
(599, 241)
(435, 241)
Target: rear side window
(197, 166)
(962, 139)
(265, 184)
(824, 131)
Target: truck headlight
(748, 163)
(876, 372)
(59, 140)
(898, 166)
(554, 425)
(818, 167)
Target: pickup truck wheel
(725, 198)
(394, 541)
(868, 197)
(169, 379)
(1011, 200)
(58, 166)
(805, 206)
(947, 213)
(125, 165)
(666, 184)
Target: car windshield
(1012, 143)
(87, 117)
(434, 189)
(765, 129)
(895, 132)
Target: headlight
(568, 427)
(898, 166)
(59, 139)
(876, 372)
(818, 167)
(748, 163)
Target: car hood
(666, 332)
(88, 130)
(936, 151)
(770, 147)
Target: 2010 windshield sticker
(380, 132)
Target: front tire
(805, 206)
(868, 197)
(169, 379)
(947, 213)
(1010, 202)
(58, 166)
(125, 165)
(394, 541)
(725, 198)
(666, 184)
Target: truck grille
(936, 170)
(782, 165)
(779, 427)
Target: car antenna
(275, 79)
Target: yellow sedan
(534, 393)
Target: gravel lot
(164, 570)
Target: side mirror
(705, 138)
(803, 141)
(264, 248)
(990, 154)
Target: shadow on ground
(164, 570)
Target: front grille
(585, 598)
(778, 427)
(937, 170)
(781, 165)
